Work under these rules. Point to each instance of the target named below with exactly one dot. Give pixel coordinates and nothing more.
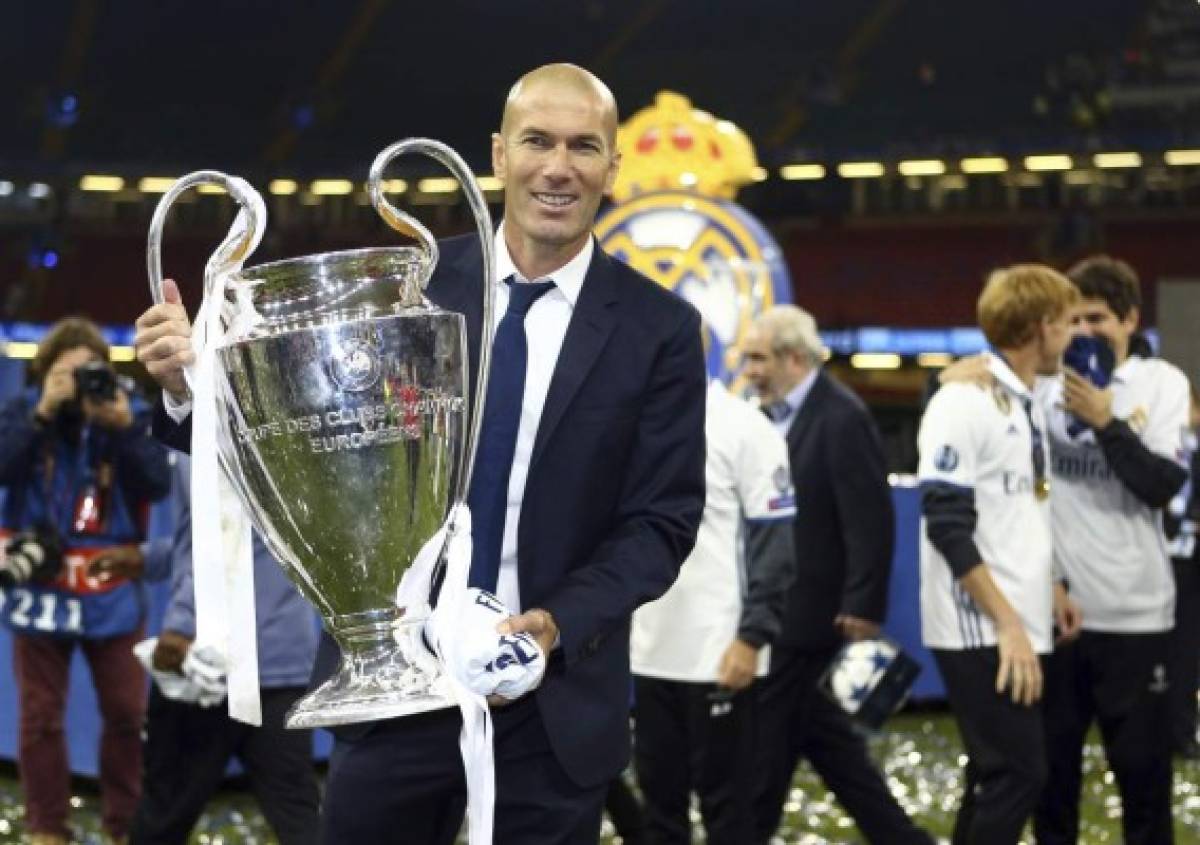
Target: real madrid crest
(354, 363)
(675, 221)
(1138, 419)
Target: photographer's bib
(73, 604)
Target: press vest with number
(75, 487)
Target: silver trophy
(342, 410)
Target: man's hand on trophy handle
(163, 341)
(536, 622)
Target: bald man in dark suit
(606, 487)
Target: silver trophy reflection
(341, 402)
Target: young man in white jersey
(696, 651)
(988, 597)
(1117, 461)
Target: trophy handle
(407, 225)
(242, 239)
(244, 235)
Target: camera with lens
(96, 381)
(30, 556)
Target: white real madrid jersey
(1109, 545)
(682, 635)
(981, 441)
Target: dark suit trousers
(402, 784)
(187, 750)
(796, 720)
(693, 736)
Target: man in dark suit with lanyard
(843, 542)
(584, 510)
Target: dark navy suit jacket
(614, 494)
(844, 527)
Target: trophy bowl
(345, 416)
(341, 399)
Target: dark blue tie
(777, 411)
(488, 497)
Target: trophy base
(385, 672)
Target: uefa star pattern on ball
(859, 668)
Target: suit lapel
(461, 291)
(808, 411)
(591, 324)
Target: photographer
(80, 468)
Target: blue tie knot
(522, 295)
(777, 411)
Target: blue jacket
(46, 472)
(287, 632)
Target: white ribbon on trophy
(475, 742)
(461, 630)
(223, 577)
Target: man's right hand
(163, 341)
(170, 651)
(971, 370)
(738, 666)
(1020, 669)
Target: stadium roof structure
(315, 88)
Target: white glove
(204, 667)
(172, 685)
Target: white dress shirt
(545, 328)
(795, 401)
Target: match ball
(859, 668)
